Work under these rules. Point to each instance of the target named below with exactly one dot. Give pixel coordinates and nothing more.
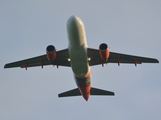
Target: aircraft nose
(73, 20)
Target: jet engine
(51, 53)
(104, 52)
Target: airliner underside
(79, 57)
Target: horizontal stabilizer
(70, 93)
(76, 92)
(96, 91)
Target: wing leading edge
(61, 60)
(95, 58)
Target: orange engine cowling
(51, 53)
(104, 52)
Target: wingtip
(5, 66)
(59, 95)
(156, 60)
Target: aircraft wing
(95, 58)
(61, 60)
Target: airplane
(80, 57)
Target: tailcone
(86, 97)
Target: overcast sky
(131, 27)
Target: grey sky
(131, 27)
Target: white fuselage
(77, 47)
(78, 55)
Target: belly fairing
(79, 62)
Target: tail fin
(96, 91)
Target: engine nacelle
(51, 53)
(104, 52)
